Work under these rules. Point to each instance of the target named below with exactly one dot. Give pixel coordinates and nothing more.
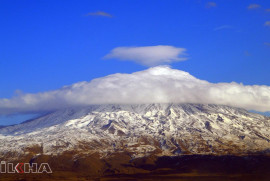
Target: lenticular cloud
(149, 55)
(155, 85)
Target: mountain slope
(141, 130)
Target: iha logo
(24, 168)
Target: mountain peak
(154, 128)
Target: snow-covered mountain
(141, 130)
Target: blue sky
(45, 45)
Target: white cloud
(211, 4)
(267, 23)
(254, 6)
(99, 13)
(155, 85)
(223, 27)
(149, 55)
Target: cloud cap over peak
(149, 55)
(160, 84)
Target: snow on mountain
(143, 129)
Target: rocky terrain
(132, 139)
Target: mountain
(141, 130)
(146, 141)
(1, 126)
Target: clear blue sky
(47, 44)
